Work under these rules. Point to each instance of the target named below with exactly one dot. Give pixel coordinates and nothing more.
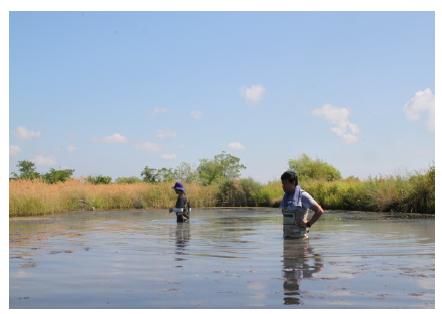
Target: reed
(31, 198)
(413, 194)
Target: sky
(112, 92)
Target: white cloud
(160, 110)
(253, 94)
(71, 148)
(42, 160)
(236, 146)
(165, 134)
(196, 115)
(14, 150)
(421, 104)
(114, 138)
(168, 156)
(26, 134)
(339, 119)
(148, 147)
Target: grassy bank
(411, 194)
(31, 198)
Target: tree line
(221, 168)
(216, 182)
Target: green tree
(61, 175)
(26, 170)
(184, 172)
(165, 174)
(307, 168)
(222, 166)
(149, 175)
(99, 179)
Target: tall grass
(30, 198)
(413, 194)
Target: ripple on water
(235, 258)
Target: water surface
(222, 258)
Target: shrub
(54, 176)
(99, 179)
(242, 192)
(128, 180)
(307, 168)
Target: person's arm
(318, 212)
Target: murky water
(229, 258)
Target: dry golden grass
(30, 198)
(415, 193)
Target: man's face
(288, 187)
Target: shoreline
(49, 215)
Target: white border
(182, 5)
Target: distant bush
(99, 179)
(307, 168)
(242, 192)
(26, 171)
(54, 176)
(184, 172)
(222, 167)
(128, 180)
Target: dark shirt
(181, 201)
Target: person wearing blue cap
(295, 206)
(182, 206)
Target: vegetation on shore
(215, 183)
(31, 198)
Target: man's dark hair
(290, 176)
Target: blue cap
(178, 186)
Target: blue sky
(109, 93)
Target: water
(229, 258)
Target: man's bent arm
(318, 212)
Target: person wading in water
(182, 207)
(295, 206)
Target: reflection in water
(182, 237)
(141, 259)
(299, 261)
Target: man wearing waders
(295, 206)
(182, 208)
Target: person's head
(289, 180)
(178, 187)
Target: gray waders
(182, 214)
(293, 220)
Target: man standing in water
(295, 205)
(182, 207)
